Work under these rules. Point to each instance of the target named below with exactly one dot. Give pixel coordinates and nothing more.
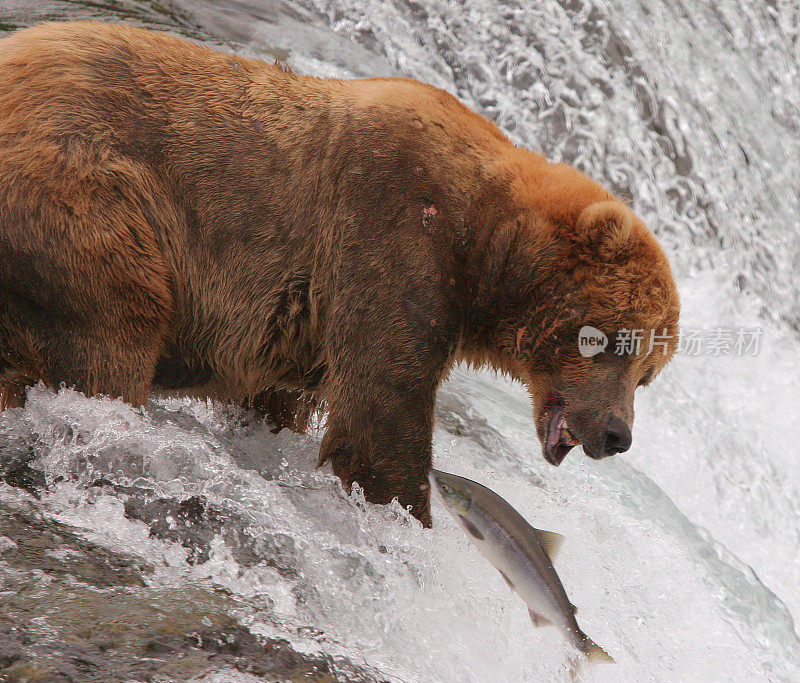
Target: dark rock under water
(73, 610)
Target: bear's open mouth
(558, 439)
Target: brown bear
(178, 218)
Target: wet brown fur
(175, 216)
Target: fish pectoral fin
(507, 580)
(538, 620)
(472, 530)
(551, 542)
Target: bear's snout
(616, 438)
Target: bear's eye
(646, 378)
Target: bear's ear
(605, 226)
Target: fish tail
(593, 652)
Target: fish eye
(445, 488)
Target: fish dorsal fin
(538, 620)
(551, 542)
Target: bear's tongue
(557, 441)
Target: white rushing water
(682, 555)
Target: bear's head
(588, 312)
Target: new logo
(591, 341)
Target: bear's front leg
(384, 370)
(382, 440)
(391, 334)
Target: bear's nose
(618, 436)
